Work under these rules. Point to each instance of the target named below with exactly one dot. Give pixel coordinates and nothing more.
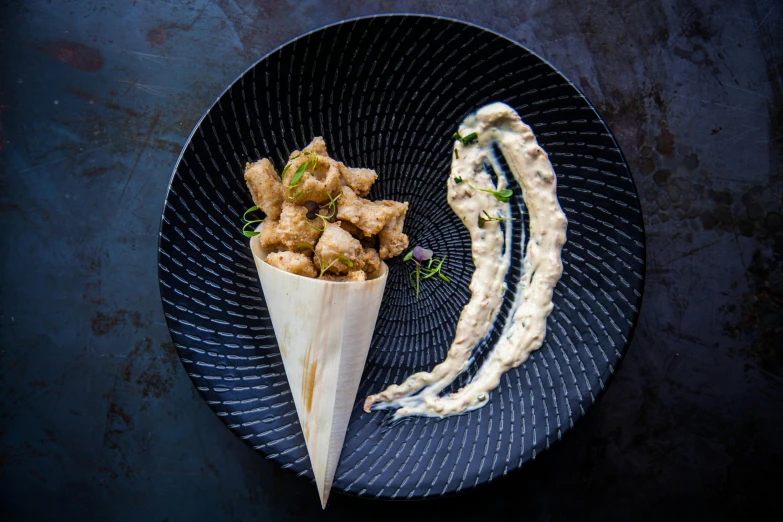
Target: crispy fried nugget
(265, 186)
(320, 178)
(353, 275)
(317, 146)
(292, 262)
(291, 229)
(369, 216)
(393, 240)
(353, 230)
(269, 237)
(371, 262)
(337, 242)
(360, 180)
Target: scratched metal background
(98, 420)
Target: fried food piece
(353, 275)
(360, 180)
(371, 262)
(369, 216)
(321, 177)
(291, 229)
(336, 242)
(317, 147)
(393, 240)
(265, 186)
(353, 230)
(292, 262)
(269, 238)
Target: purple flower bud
(312, 208)
(421, 254)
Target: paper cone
(324, 330)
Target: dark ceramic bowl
(387, 92)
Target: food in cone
(319, 255)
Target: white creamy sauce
(524, 332)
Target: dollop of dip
(524, 333)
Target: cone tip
(323, 492)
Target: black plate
(387, 92)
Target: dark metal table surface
(98, 420)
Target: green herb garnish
(341, 258)
(483, 220)
(458, 180)
(456, 153)
(248, 222)
(419, 255)
(327, 212)
(297, 177)
(299, 173)
(467, 140)
(501, 195)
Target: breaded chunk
(369, 216)
(265, 186)
(320, 178)
(293, 227)
(317, 146)
(360, 180)
(353, 275)
(371, 262)
(337, 242)
(353, 230)
(393, 240)
(269, 238)
(292, 262)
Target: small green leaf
(469, 138)
(408, 256)
(248, 211)
(251, 233)
(285, 169)
(315, 227)
(304, 246)
(344, 260)
(298, 194)
(458, 180)
(504, 195)
(456, 136)
(456, 153)
(298, 174)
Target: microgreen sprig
(484, 220)
(314, 210)
(248, 222)
(501, 195)
(311, 163)
(467, 140)
(341, 258)
(419, 255)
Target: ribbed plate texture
(387, 93)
